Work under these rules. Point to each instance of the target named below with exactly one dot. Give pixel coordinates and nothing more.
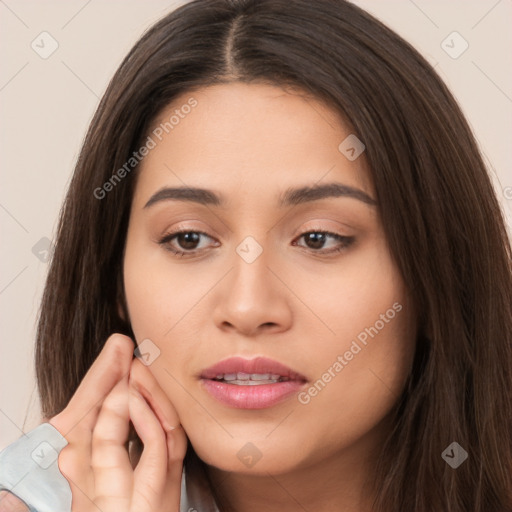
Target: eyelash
(346, 241)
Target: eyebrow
(291, 196)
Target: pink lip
(251, 397)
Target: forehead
(248, 139)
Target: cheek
(159, 293)
(354, 297)
(167, 304)
(358, 383)
(363, 348)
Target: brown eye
(188, 240)
(317, 240)
(184, 243)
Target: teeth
(252, 379)
(260, 376)
(252, 382)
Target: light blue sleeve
(29, 469)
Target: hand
(96, 424)
(11, 503)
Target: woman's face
(260, 174)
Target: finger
(176, 440)
(76, 470)
(151, 471)
(112, 363)
(109, 459)
(11, 503)
(176, 449)
(76, 422)
(143, 380)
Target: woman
(282, 207)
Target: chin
(257, 457)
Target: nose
(253, 299)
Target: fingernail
(166, 423)
(144, 394)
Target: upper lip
(259, 365)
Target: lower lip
(259, 396)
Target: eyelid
(298, 232)
(344, 242)
(169, 235)
(314, 225)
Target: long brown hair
(442, 220)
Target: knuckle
(119, 345)
(69, 463)
(105, 433)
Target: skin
(294, 303)
(102, 475)
(118, 389)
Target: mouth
(251, 383)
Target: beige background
(46, 105)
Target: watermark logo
(44, 455)
(351, 147)
(43, 249)
(45, 45)
(147, 352)
(249, 455)
(249, 249)
(454, 455)
(454, 45)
